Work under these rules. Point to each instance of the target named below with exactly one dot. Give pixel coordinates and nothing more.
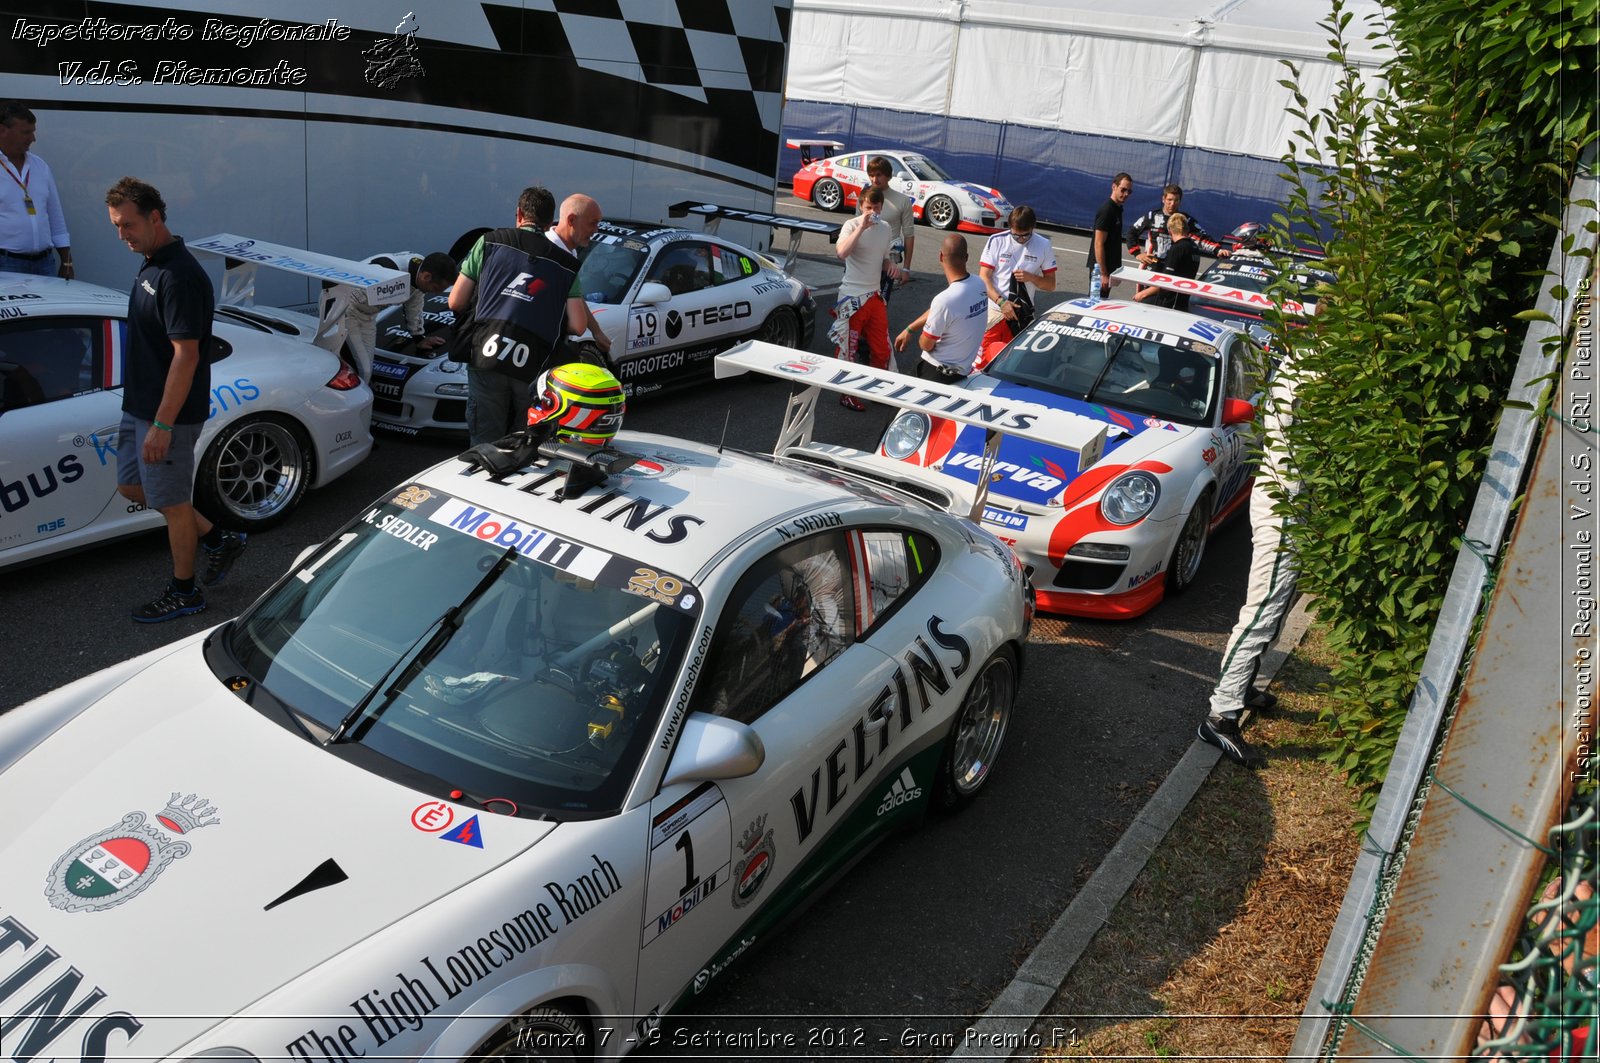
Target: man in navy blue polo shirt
(166, 396)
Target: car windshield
(925, 169)
(466, 646)
(1136, 369)
(609, 267)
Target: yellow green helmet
(584, 402)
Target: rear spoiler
(711, 214)
(997, 417)
(808, 148)
(242, 256)
(1220, 293)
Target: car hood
(978, 190)
(1037, 474)
(181, 855)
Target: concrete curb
(1002, 1031)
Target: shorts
(166, 483)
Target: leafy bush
(1442, 186)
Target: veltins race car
(669, 299)
(285, 415)
(937, 198)
(512, 763)
(1109, 501)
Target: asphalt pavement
(923, 933)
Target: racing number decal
(503, 348)
(643, 329)
(686, 836)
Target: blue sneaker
(216, 563)
(171, 605)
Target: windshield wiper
(443, 628)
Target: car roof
(51, 295)
(1143, 315)
(652, 231)
(678, 508)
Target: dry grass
(1213, 951)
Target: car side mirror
(712, 747)
(655, 293)
(1237, 411)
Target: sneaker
(1260, 700)
(1224, 734)
(850, 402)
(171, 605)
(214, 564)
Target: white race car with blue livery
(512, 765)
(286, 414)
(669, 299)
(1104, 444)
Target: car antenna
(726, 417)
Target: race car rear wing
(810, 149)
(242, 256)
(996, 416)
(711, 214)
(1221, 293)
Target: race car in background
(286, 414)
(937, 198)
(668, 297)
(1252, 266)
(1104, 444)
(562, 748)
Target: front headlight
(1130, 498)
(454, 391)
(445, 365)
(905, 435)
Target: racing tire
(466, 242)
(254, 473)
(977, 732)
(590, 353)
(942, 213)
(1189, 549)
(781, 327)
(543, 1033)
(827, 195)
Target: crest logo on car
(753, 869)
(117, 864)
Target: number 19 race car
(1104, 443)
(516, 762)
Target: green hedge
(1443, 185)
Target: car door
(725, 856)
(706, 310)
(60, 405)
(1234, 464)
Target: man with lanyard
(862, 325)
(952, 326)
(529, 287)
(1105, 247)
(166, 396)
(31, 221)
(1010, 262)
(902, 219)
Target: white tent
(1044, 97)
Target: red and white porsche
(937, 198)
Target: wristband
(163, 427)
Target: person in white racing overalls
(430, 275)
(1148, 238)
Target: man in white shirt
(901, 216)
(1011, 261)
(861, 331)
(31, 221)
(952, 326)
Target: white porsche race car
(1104, 443)
(668, 297)
(943, 202)
(285, 415)
(512, 765)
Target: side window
(894, 563)
(788, 616)
(732, 266)
(48, 359)
(683, 267)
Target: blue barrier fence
(1063, 175)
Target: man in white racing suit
(429, 274)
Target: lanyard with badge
(22, 183)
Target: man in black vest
(520, 284)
